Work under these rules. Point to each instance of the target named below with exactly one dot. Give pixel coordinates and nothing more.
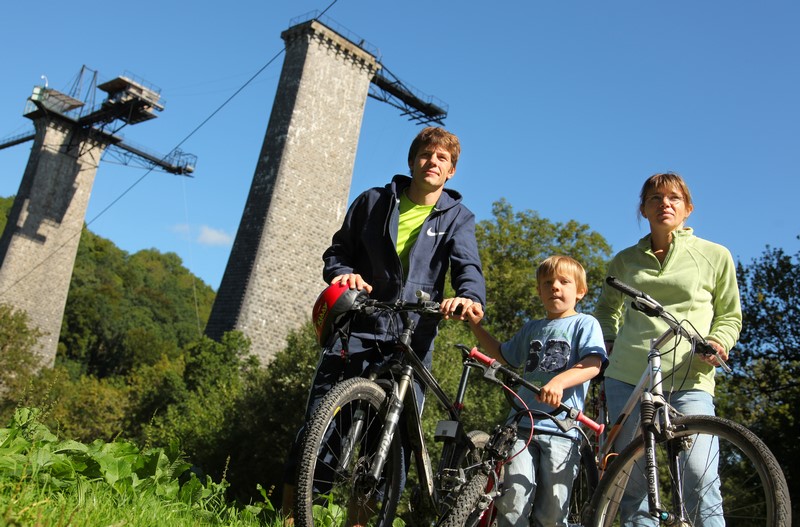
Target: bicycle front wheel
(745, 485)
(584, 485)
(334, 484)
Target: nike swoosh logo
(431, 233)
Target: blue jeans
(539, 478)
(633, 508)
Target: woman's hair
(564, 265)
(665, 179)
(435, 136)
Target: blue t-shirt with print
(548, 347)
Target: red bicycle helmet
(334, 301)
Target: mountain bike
(350, 462)
(474, 503)
(753, 488)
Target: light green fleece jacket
(696, 283)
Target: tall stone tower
(40, 241)
(39, 244)
(300, 189)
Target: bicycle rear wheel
(467, 510)
(474, 505)
(334, 486)
(750, 481)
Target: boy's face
(559, 294)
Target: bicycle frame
(649, 392)
(479, 493)
(449, 431)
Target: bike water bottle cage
(332, 304)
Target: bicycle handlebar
(650, 307)
(423, 306)
(572, 413)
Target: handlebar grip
(625, 288)
(597, 428)
(641, 301)
(480, 357)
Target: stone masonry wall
(39, 244)
(298, 196)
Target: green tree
(511, 247)
(17, 357)
(764, 391)
(124, 310)
(5, 208)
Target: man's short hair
(436, 136)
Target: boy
(561, 353)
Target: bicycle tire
(753, 487)
(339, 494)
(466, 511)
(472, 454)
(468, 459)
(462, 463)
(585, 484)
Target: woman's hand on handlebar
(459, 308)
(712, 359)
(353, 281)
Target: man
(394, 241)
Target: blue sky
(562, 107)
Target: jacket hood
(449, 198)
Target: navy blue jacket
(366, 244)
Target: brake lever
(708, 350)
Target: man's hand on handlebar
(458, 307)
(352, 280)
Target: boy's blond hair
(558, 264)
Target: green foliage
(211, 386)
(124, 311)
(764, 391)
(17, 357)
(511, 247)
(770, 291)
(234, 418)
(270, 413)
(5, 208)
(118, 475)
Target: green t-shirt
(412, 216)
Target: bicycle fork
(655, 421)
(393, 413)
(673, 450)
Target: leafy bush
(118, 472)
(18, 360)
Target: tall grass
(45, 481)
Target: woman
(693, 279)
